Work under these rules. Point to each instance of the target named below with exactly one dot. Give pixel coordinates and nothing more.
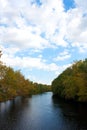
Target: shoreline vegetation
(71, 84)
(13, 84)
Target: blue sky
(68, 4)
(41, 38)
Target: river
(42, 112)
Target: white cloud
(25, 23)
(23, 20)
(82, 5)
(23, 38)
(10, 59)
(38, 80)
(21, 26)
(61, 69)
(63, 56)
(76, 30)
(81, 46)
(28, 62)
(10, 51)
(31, 63)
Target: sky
(41, 38)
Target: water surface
(42, 112)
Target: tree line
(72, 83)
(13, 83)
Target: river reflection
(73, 114)
(42, 112)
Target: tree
(72, 83)
(13, 83)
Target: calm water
(42, 112)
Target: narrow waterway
(42, 112)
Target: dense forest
(72, 83)
(13, 83)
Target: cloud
(61, 69)
(82, 5)
(23, 38)
(24, 23)
(81, 46)
(76, 29)
(32, 27)
(10, 58)
(63, 56)
(31, 63)
(28, 62)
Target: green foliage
(72, 83)
(13, 83)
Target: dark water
(42, 112)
